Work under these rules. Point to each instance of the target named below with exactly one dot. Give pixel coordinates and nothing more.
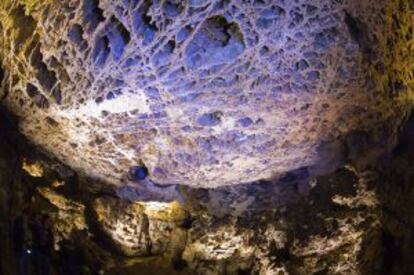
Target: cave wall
(347, 222)
(315, 115)
(11, 146)
(396, 192)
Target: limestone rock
(33, 169)
(205, 93)
(138, 229)
(324, 231)
(70, 216)
(348, 222)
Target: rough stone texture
(207, 93)
(138, 229)
(348, 222)
(325, 229)
(334, 228)
(69, 217)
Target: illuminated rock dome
(206, 93)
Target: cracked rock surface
(207, 93)
(351, 221)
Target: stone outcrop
(206, 93)
(69, 217)
(138, 229)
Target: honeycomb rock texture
(347, 222)
(206, 92)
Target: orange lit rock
(33, 169)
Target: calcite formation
(333, 226)
(351, 221)
(205, 93)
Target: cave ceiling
(206, 93)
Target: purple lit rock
(210, 93)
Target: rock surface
(350, 221)
(206, 93)
(292, 110)
(138, 229)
